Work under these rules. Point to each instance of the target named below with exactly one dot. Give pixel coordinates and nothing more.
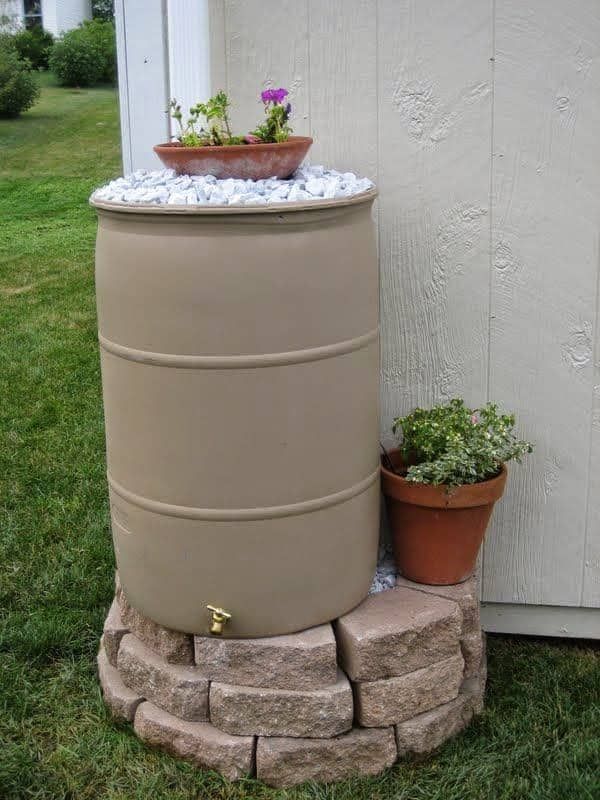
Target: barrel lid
(216, 210)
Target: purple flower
(274, 95)
(279, 95)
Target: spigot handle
(220, 617)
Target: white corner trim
(189, 52)
(143, 70)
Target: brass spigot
(220, 618)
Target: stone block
(176, 688)
(113, 632)
(474, 689)
(283, 762)
(200, 742)
(318, 713)
(397, 632)
(466, 594)
(471, 646)
(426, 732)
(174, 646)
(305, 660)
(120, 699)
(393, 700)
(474, 686)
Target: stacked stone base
(394, 678)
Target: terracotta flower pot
(436, 533)
(254, 161)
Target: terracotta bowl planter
(254, 161)
(436, 533)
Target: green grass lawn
(539, 738)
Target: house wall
(62, 15)
(50, 17)
(480, 123)
(11, 15)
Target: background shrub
(75, 59)
(18, 86)
(34, 45)
(102, 33)
(85, 55)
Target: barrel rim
(205, 210)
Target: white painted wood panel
(59, 16)
(189, 53)
(11, 15)
(266, 46)
(143, 80)
(434, 77)
(50, 16)
(546, 210)
(343, 84)
(70, 14)
(217, 45)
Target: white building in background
(55, 16)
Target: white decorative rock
(165, 188)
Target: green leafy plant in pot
(441, 484)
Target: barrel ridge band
(239, 514)
(251, 361)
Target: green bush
(34, 45)
(85, 55)
(76, 60)
(18, 87)
(103, 34)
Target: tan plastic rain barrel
(240, 364)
